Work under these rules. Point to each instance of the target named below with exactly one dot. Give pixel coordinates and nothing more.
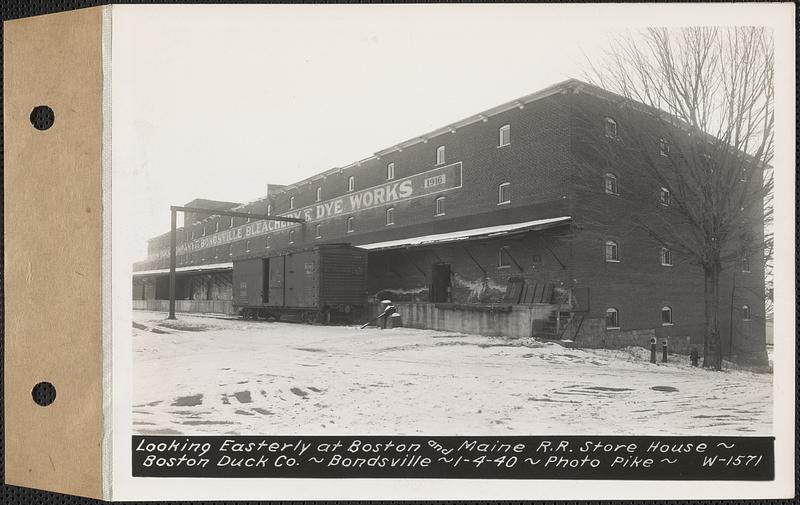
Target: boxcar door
(276, 281)
(247, 284)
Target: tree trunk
(712, 348)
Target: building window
(267, 242)
(666, 257)
(319, 231)
(230, 225)
(612, 187)
(319, 194)
(291, 202)
(247, 246)
(269, 209)
(666, 316)
(390, 171)
(440, 206)
(504, 136)
(350, 227)
(746, 312)
(440, 155)
(664, 197)
(663, 147)
(746, 264)
(216, 226)
(230, 250)
(504, 193)
(351, 183)
(204, 229)
(612, 319)
(612, 251)
(502, 258)
(389, 216)
(291, 236)
(611, 128)
(191, 235)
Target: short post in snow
(694, 357)
(664, 351)
(653, 350)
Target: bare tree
(698, 106)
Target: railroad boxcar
(321, 284)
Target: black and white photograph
(450, 221)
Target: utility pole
(172, 238)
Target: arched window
(504, 136)
(291, 236)
(319, 194)
(440, 155)
(611, 128)
(267, 242)
(612, 188)
(612, 319)
(502, 258)
(663, 147)
(350, 227)
(440, 206)
(504, 193)
(318, 229)
(269, 209)
(389, 216)
(666, 315)
(666, 257)
(247, 246)
(216, 225)
(351, 183)
(746, 312)
(390, 171)
(612, 251)
(664, 197)
(291, 202)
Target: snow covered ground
(202, 375)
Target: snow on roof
(475, 233)
(193, 268)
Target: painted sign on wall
(427, 183)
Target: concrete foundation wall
(515, 321)
(592, 333)
(188, 306)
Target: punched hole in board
(42, 117)
(43, 394)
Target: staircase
(556, 324)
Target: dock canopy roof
(216, 267)
(473, 234)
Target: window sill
(389, 224)
(612, 193)
(612, 327)
(504, 203)
(667, 324)
(503, 145)
(439, 215)
(613, 261)
(666, 265)
(503, 267)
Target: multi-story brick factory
(485, 226)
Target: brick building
(484, 220)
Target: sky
(218, 101)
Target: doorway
(265, 281)
(440, 283)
